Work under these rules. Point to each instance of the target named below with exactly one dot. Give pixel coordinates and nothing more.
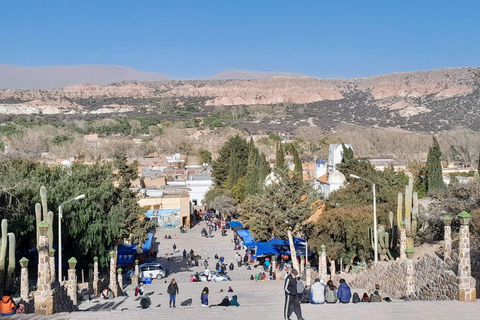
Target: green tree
(347, 154)
(252, 183)
(205, 156)
(281, 207)
(263, 170)
(298, 170)
(434, 168)
(280, 157)
(234, 147)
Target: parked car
(150, 270)
(216, 276)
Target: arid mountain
(250, 75)
(51, 77)
(425, 100)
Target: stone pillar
(466, 283)
(332, 269)
(308, 275)
(113, 273)
(44, 293)
(72, 280)
(90, 276)
(410, 287)
(24, 279)
(51, 254)
(447, 236)
(274, 263)
(135, 275)
(403, 240)
(95, 275)
(323, 267)
(302, 266)
(120, 280)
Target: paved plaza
(258, 299)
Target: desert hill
(424, 100)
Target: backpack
(300, 286)
(136, 291)
(356, 298)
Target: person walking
(174, 248)
(172, 290)
(292, 303)
(238, 258)
(184, 254)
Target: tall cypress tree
(280, 157)
(434, 168)
(221, 167)
(263, 169)
(252, 178)
(298, 170)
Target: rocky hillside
(425, 100)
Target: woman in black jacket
(172, 290)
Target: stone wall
(434, 279)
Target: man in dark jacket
(292, 303)
(344, 293)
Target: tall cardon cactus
(411, 212)
(387, 241)
(42, 214)
(7, 264)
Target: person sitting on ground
(251, 277)
(273, 276)
(234, 301)
(330, 292)
(169, 237)
(365, 297)
(344, 293)
(166, 237)
(204, 297)
(175, 236)
(317, 292)
(7, 306)
(230, 289)
(145, 302)
(197, 277)
(375, 296)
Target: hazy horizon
(192, 40)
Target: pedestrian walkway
(258, 299)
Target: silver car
(150, 270)
(214, 276)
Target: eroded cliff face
(401, 92)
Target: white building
(198, 186)
(335, 155)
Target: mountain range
(424, 100)
(54, 77)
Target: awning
(245, 235)
(148, 243)
(262, 250)
(234, 224)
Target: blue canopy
(148, 243)
(234, 224)
(245, 235)
(250, 245)
(263, 249)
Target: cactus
(411, 212)
(7, 240)
(387, 241)
(42, 214)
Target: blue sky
(194, 39)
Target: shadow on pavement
(187, 302)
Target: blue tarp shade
(245, 235)
(148, 243)
(234, 224)
(263, 249)
(250, 245)
(208, 214)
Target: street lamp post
(375, 236)
(60, 216)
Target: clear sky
(197, 38)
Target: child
(204, 297)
